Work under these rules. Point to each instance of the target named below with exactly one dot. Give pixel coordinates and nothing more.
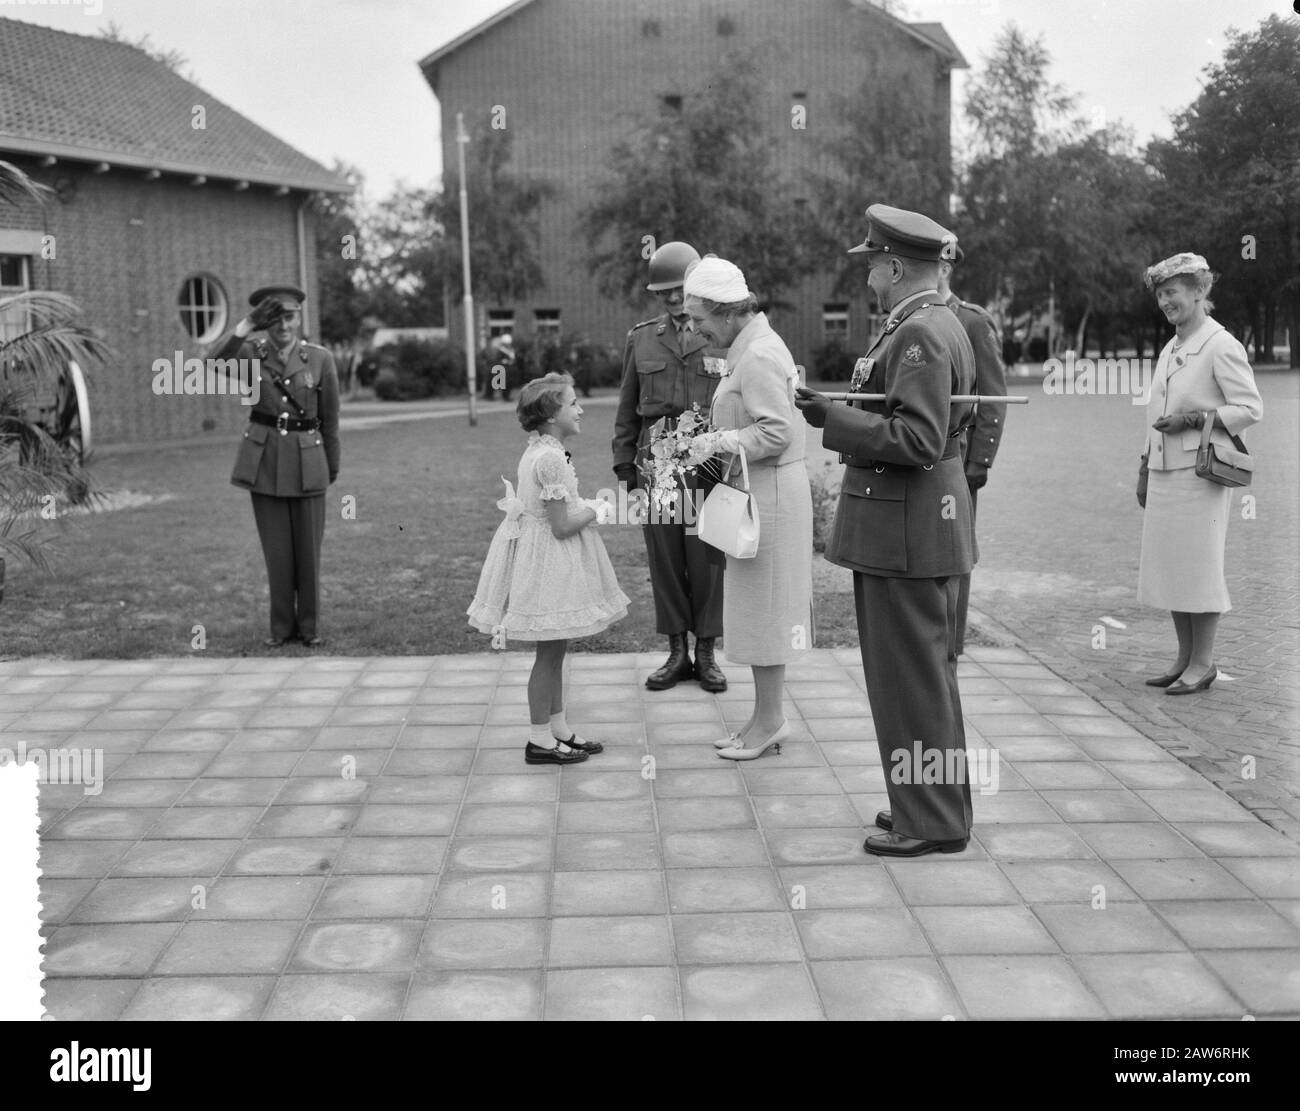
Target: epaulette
(979, 309)
(644, 323)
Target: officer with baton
(904, 527)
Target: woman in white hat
(1202, 374)
(767, 601)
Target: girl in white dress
(547, 577)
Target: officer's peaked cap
(896, 231)
(289, 292)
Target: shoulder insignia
(643, 324)
(914, 356)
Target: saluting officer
(289, 454)
(903, 526)
(980, 443)
(664, 374)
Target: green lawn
(136, 581)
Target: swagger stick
(957, 399)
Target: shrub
(412, 369)
(832, 362)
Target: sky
(340, 78)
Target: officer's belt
(284, 423)
(951, 451)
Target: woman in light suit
(1202, 374)
(767, 603)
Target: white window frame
(214, 306)
(17, 320)
(546, 323)
(835, 322)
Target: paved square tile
(699, 890)
(634, 891)
(289, 897)
(362, 996)
(984, 929)
(1021, 987)
(610, 940)
(860, 932)
(201, 999)
(1268, 982)
(1229, 924)
(1114, 928)
(612, 994)
(88, 1000)
(372, 946)
(106, 950)
(236, 946)
(507, 995)
(376, 897)
(746, 993)
(138, 900)
(492, 895)
(479, 943)
(1197, 878)
(1156, 985)
(738, 938)
(895, 989)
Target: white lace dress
(534, 587)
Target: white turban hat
(715, 279)
(1184, 263)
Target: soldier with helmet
(980, 443)
(289, 454)
(664, 374)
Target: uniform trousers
(686, 576)
(907, 631)
(291, 531)
(963, 590)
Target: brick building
(169, 208)
(569, 73)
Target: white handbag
(728, 518)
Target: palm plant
(38, 471)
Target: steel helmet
(668, 265)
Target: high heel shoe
(1202, 684)
(739, 752)
(1166, 680)
(731, 740)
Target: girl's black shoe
(534, 754)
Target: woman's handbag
(1222, 465)
(728, 518)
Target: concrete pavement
(330, 838)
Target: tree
(172, 59)
(341, 241)
(504, 233)
(890, 145)
(1230, 180)
(1012, 198)
(701, 173)
(405, 263)
(33, 365)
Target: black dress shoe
(895, 844)
(884, 820)
(313, 641)
(535, 754)
(707, 670)
(589, 747)
(1165, 680)
(274, 642)
(1202, 684)
(677, 667)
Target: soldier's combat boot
(707, 670)
(676, 668)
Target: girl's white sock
(540, 735)
(560, 728)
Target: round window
(203, 307)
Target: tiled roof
(83, 98)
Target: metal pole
(471, 375)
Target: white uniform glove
(711, 443)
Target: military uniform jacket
(980, 443)
(293, 464)
(904, 509)
(658, 381)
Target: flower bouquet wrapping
(672, 457)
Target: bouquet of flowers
(672, 457)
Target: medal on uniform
(861, 372)
(307, 379)
(715, 367)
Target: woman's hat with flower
(1182, 263)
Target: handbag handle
(1208, 427)
(744, 465)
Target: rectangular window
(501, 322)
(15, 278)
(835, 323)
(546, 323)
